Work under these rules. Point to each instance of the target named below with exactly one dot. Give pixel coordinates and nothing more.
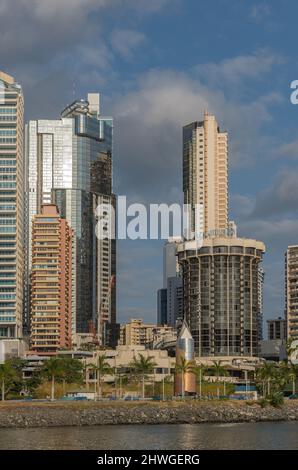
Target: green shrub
(276, 399)
(263, 402)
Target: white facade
(11, 207)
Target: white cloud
(280, 198)
(49, 28)
(260, 11)
(235, 69)
(240, 205)
(126, 41)
(289, 149)
(149, 119)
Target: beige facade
(291, 291)
(122, 357)
(137, 333)
(205, 175)
(11, 207)
(51, 282)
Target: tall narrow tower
(11, 207)
(51, 282)
(205, 175)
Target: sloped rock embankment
(75, 414)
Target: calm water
(172, 437)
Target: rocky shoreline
(90, 414)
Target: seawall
(13, 415)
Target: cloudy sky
(158, 64)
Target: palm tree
(289, 373)
(290, 349)
(219, 371)
(143, 366)
(93, 369)
(183, 367)
(102, 368)
(199, 370)
(52, 369)
(165, 380)
(71, 371)
(267, 374)
(121, 378)
(293, 374)
(7, 374)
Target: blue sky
(158, 64)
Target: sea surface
(278, 435)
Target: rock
(70, 414)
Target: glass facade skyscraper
(69, 163)
(11, 207)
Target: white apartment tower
(205, 175)
(11, 207)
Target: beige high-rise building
(51, 282)
(205, 175)
(11, 207)
(291, 291)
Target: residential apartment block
(11, 207)
(291, 291)
(51, 282)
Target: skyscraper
(162, 307)
(222, 274)
(221, 295)
(169, 298)
(170, 261)
(11, 207)
(69, 163)
(51, 282)
(205, 175)
(291, 291)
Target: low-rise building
(138, 333)
(12, 348)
